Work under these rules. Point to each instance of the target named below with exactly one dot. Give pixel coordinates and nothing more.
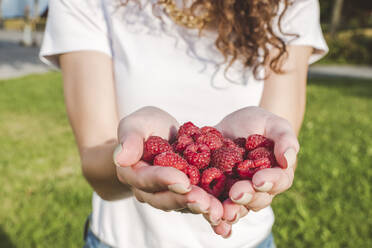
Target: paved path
(341, 71)
(16, 61)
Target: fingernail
(255, 209)
(196, 209)
(179, 188)
(244, 199)
(117, 150)
(212, 221)
(215, 222)
(267, 186)
(235, 220)
(290, 156)
(228, 235)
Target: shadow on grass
(347, 86)
(5, 242)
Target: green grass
(329, 204)
(44, 199)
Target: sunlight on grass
(45, 200)
(329, 204)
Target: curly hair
(245, 30)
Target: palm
(258, 193)
(164, 188)
(244, 122)
(255, 120)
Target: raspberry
(246, 169)
(210, 139)
(153, 146)
(213, 130)
(257, 140)
(262, 163)
(260, 152)
(240, 142)
(198, 155)
(226, 158)
(182, 142)
(193, 174)
(229, 143)
(171, 159)
(188, 129)
(228, 184)
(213, 181)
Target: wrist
(100, 171)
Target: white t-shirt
(161, 64)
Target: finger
(286, 143)
(183, 210)
(196, 200)
(273, 180)
(242, 192)
(199, 201)
(232, 211)
(154, 178)
(165, 200)
(224, 229)
(243, 211)
(215, 211)
(261, 200)
(131, 149)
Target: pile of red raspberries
(209, 160)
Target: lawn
(44, 199)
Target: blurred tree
(1, 11)
(36, 9)
(325, 10)
(336, 16)
(352, 14)
(358, 13)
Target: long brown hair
(245, 29)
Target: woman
(133, 70)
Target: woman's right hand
(165, 188)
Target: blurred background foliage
(348, 30)
(354, 14)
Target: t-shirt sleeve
(302, 18)
(74, 25)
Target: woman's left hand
(259, 192)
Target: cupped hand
(259, 192)
(165, 188)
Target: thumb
(286, 144)
(129, 152)
(286, 149)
